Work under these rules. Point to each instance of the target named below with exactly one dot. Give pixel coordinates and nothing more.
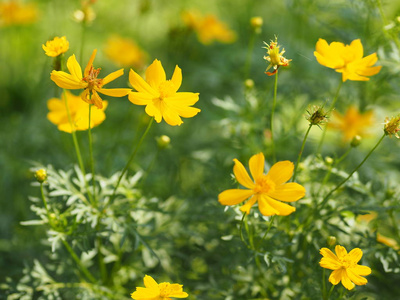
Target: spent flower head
(41, 175)
(88, 81)
(275, 57)
(317, 115)
(155, 291)
(347, 59)
(392, 126)
(266, 189)
(344, 266)
(56, 46)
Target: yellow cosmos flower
(347, 59)
(208, 28)
(79, 112)
(352, 123)
(57, 46)
(124, 52)
(344, 266)
(160, 95)
(155, 291)
(275, 57)
(266, 189)
(89, 81)
(387, 241)
(14, 13)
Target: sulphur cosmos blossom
(88, 81)
(79, 113)
(266, 189)
(15, 13)
(124, 52)
(155, 291)
(347, 59)
(352, 123)
(344, 266)
(208, 28)
(56, 46)
(160, 95)
(275, 57)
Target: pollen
(166, 89)
(264, 185)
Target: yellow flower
(124, 52)
(387, 241)
(208, 28)
(275, 57)
(57, 46)
(41, 175)
(264, 189)
(392, 126)
(160, 95)
(155, 291)
(352, 123)
(13, 12)
(79, 112)
(347, 59)
(344, 266)
(89, 82)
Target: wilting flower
(78, 110)
(275, 57)
(344, 266)
(14, 13)
(208, 28)
(160, 95)
(347, 59)
(317, 115)
(352, 123)
(89, 82)
(392, 126)
(266, 189)
(155, 291)
(124, 52)
(57, 46)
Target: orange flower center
(264, 185)
(92, 80)
(165, 290)
(346, 262)
(166, 89)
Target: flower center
(165, 289)
(264, 185)
(166, 89)
(346, 262)
(92, 80)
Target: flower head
(208, 28)
(155, 291)
(266, 189)
(14, 13)
(124, 52)
(41, 175)
(160, 95)
(57, 46)
(392, 126)
(78, 110)
(317, 115)
(344, 266)
(352, 123)
(275, 57)
(89, 81)
(347, 59)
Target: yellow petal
(281, 208)
(187, 112)
(183, 99)
(288, 192)
(340, 251)
(140, 85)
(362, 270)
(153, 111)
(234, 196)
(177, 78)
(356, 278)
(249, 204)
(140, 98)
(149, 282)
(346, 280)
(265, 208)
(96, 100)
(67, 81)
(357, 49)
(256, 164)
(74, 68)
(356, 255)
(281, 172)
(336, 276)
(329, 260)
(329, 55)
(241, 175)
(115, 92)
(171, 116)
(90, 63)
(155, 74)
(112, 76)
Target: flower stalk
(301, 151)
(272, 117)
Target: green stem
(45, 203)
(241, 231)
(272, 116)
(266, 232)
(91, 153)
(84, 270)
(301, 151)
(351, 174)
(99, 245)
(330, 292)
(385, 22)
(130, 160)
(324, 291)
(330, 111)
(82, 41)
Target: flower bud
(163, 141)
(331, 241)
(249, 83)
(317, 115)
(41, 175)
(328, 160)
(356, 141)
(256, 23)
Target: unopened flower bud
(331, 241)
(163, 141)
(356, 141)
(249, 83)
(41, 175)
(329, 160)
(256, 23)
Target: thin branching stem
(91, 153)
(272, 117)
(301, 151)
